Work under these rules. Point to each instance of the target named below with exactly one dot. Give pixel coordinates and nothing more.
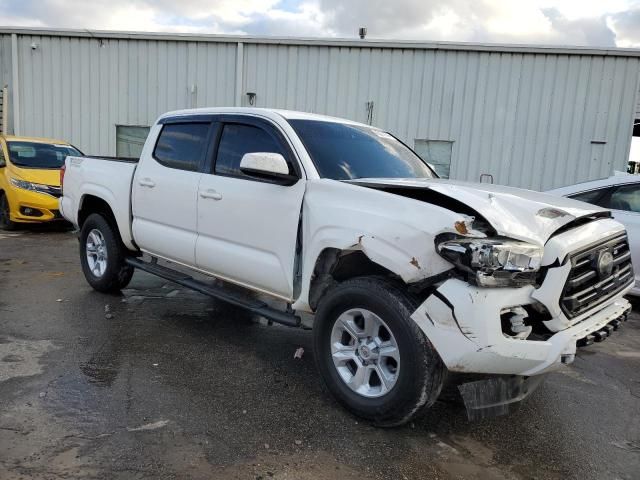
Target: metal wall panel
(79, 89)
(5, 76)
(531, 117)
(530, 120)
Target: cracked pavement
(176, 385)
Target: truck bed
(106, 178)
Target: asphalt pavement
(161, 382)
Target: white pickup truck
(405, 278)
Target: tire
(105, 268)
(414, 382)
(5, 220)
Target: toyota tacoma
(407, 280)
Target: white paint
(248, 235)
(267, 162)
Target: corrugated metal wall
(530, 120)
(79, 89)
(5, 74)
(536, 120)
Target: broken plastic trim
(494, 396)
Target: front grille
(590, 284)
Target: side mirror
(267, 165)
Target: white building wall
(79, 89)
(533, 117)
(530, 120)
(5, 71)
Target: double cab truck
(407, 280)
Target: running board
(255, 306)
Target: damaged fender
(390, 230)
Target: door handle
(146, 182)
(212, 194)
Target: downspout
(15, 84)
(239, 73)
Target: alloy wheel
(96, 249)
(365, 353)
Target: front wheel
(372, 356)
(5, 214)
(103, 255)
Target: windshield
(345, 152)
(39, 155)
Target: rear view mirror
(267, 165)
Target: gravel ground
(165, 383)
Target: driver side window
(238, 139)
(3, 161)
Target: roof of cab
(266, 112)
(52, 141)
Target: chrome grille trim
(585, 287)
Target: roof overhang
(330, 42)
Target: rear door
(248, 227)
(165, 190)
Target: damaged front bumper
(469, 325)
(494, 396)
(463, 324)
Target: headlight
(33, 187)
(494, 262)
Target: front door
(165, 191)
(248, 227)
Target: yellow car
(30, 179)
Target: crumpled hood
(517, 213)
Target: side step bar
(255, 306)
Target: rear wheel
(372, 356)
(5, 214)
(103, 255)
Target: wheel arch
(334, 265)
(91, 203)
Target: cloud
(627, 27)
(583, 31)
(565, 22)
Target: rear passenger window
(182, 145)
(236, 140)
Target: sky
(603, 23)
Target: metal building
(530, 116)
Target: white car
(402, 276)
(621, 194)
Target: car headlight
(33, 187)
(494, 262)
(23, 184)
